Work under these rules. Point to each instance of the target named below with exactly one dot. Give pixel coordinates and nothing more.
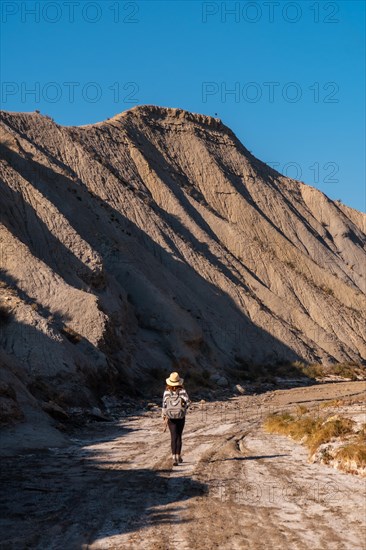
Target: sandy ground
(238, 487)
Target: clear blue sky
(296, 71)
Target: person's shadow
(70, 498)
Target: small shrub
(314, 431)
(301, 409)
(279, 423)
(350, 370)
(354, 452)
(347, 370)
(362, 433)
(326, 431)
(303, 428)
(315, 370)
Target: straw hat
(174, 380)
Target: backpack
(175, 406)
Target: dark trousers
(176, 426)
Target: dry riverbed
(238, 487)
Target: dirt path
(238, 487)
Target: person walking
(175, 405)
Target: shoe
(175, 460)
(180, 459)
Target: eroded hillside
(155, 239)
